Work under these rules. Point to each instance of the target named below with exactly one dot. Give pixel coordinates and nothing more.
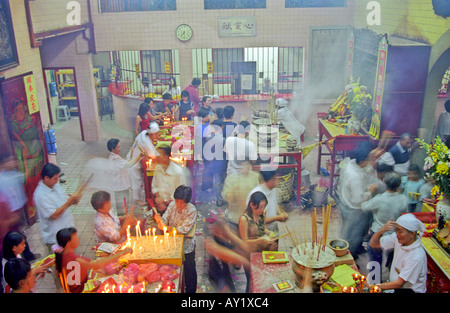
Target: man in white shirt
(409, 266)
(353, 188)
(142, 147)
(52, 205)
(273, 210)
(240, 151)
(167, 177)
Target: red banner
(379, 87)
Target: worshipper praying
(357, 175)
(181, 216)
(142, 147)
(384, 207)
(107, 226)
(399, 154)
(14, 199)
(120, 179)
(68, 241)
(240, 179)
(274, 213)
(14, 245)
(53, 204)
(193, 94)
(252, 228)
(408, 273)
(19, 276)
(168, 175)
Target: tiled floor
(73, 154)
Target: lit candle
(362, 280)
(154, 243)
(128, 232)
(114, 289)
(165, 229)
(120, 288)
(345, 289)
(137, 229)
(353, 290)
(174, 237)
(375, 289)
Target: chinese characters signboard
(30, 90)
(237, 26)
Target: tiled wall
(52, 14)
(29, 58)
(276, 27)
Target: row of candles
(140, 288)
(360, 281)
(179, 160)
(149, 235)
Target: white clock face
(184, 32)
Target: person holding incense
(181, 216)
(408, 272)
(68, 241)
(52, 204)
(108, 227)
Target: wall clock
(184, 32)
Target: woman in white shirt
(409, 267)
(173, 89)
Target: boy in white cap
(409, 266)
(142, 147)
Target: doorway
(62, 96)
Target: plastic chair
(62, 112)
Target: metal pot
(321, 270)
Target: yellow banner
(30, 89)
(307, 150)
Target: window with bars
(283, 66)
(108, 6)
(158, 66)
(314, 3)
(234, 4)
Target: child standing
(410, 187)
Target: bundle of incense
(84, 184)
(326, 225)
(314, 227)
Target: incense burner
(307, 259)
